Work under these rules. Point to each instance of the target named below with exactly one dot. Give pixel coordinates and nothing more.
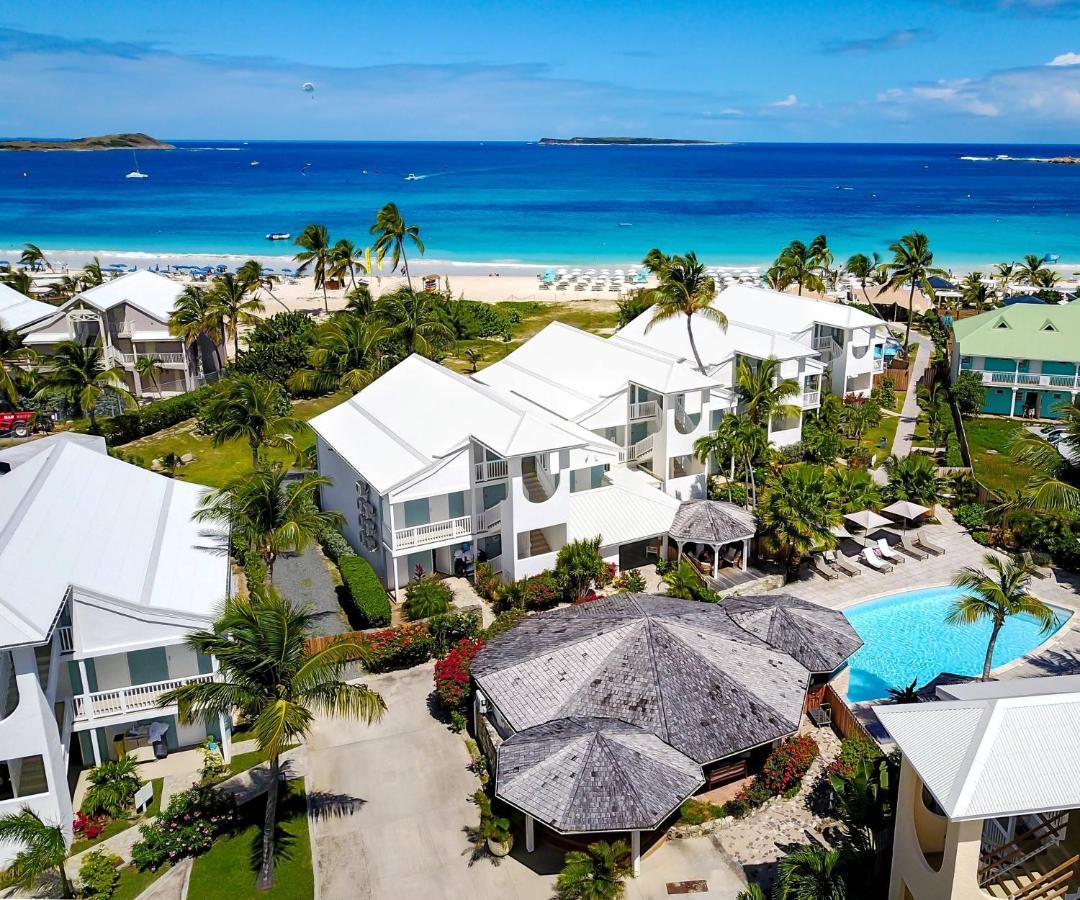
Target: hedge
(366, 591)
(953, 456)
(153, 418)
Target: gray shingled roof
(679, 669)
(712, 522)
(591, 774)
(819, 638)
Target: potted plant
(494, 831)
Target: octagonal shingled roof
(819, 638)
(589, 774)
(712, 522)
(682, 670)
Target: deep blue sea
(528, 203)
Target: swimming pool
(905, 636)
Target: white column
(88, 704)
(397, 584)
(635, 852)
(715, 560)
(226, 738)
(94, 745)
(1012, 405)
(745, 554)
(530, 834)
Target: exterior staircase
(538, 543)
(32, 779)
(533, 488)
(1049, 876)
(42, 656)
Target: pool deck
(1058, 655)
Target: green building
(1028, 356)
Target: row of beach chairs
(877, 555)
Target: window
(679, 466)
(494, 493)
(23, 776)
(1002, 324)
(1049, 326)
(417, 512)
(457, 504)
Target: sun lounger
(1036, 570)
(928, 545)
(887, 553)
(908, 546)
(820, 715)
(823, 568)
(841, 563)
(874, 561)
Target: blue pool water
(906, 637)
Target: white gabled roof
(74, 517)
(788, 313)
(152, 293)
(17, 310)
(419, 412)
(1010, 754)
(568, 371)
(619, 515)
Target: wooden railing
(844, 719)
(644, 410)
(432, 532)
(996, 862)
(811, 399)
(128, 699)
(1051, 886)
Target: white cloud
(1065, 59)
(789, 100)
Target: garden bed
(116, 826)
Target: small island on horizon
(122, 141)
(623, 141)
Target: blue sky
(906, 70)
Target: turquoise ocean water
(541, 204)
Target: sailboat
(136, 173)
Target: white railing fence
(811, 399)
(827, 347)
(489, 518)
(1027, 379)
(640, 449)
(647, 409)
(432, 532)
(491, 469)
(128, 699)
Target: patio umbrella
(866, 519)
(839, 531)
(907, 510)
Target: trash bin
(161, 749)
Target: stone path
(310, 578)
(909, 413)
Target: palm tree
(249, 408)
(113, 785)
(194, 316)
(811, 873)
(64, 289)
(823, 259)
(416, 322)
(349, 353)
(763, 390)
(78, 375)
(863, 268)
(994, 596)
(268, 516)
(91, 275)
(13, 356)
(685, 289)
(913, 265)
(720, 445)
(1031, 270)
(19, 280)
(752, 892)
(391, 233)
(266, 671)
(801, 265)
(236, 306)
(32, 257)
(597, 873)
(255, 277)
(43, 850)
(315, 241)
(1006, 274)
(913, 478)
(855, 489)
(859, 416)
(150, 367)
(798, 510)
(345, 259)
(1052, 488)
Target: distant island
(622, 141)
(127, 141)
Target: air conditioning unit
(370, 543)
(369, 526)
(367, 509)
(362, 489)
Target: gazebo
(715, 524)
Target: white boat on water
(254, 162)
(136, 173)
(278, 236)
(412, 177)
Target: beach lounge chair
(887, 553)
(822, 568)
(841, 563)
(908, 546)
(874, 561)
(1037, 570)
(820, 715)
(928, 545)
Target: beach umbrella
(839, 531)
(866, 519)
(907, 510)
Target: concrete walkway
(173, 885)
(909, 413)
(310, 578)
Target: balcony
(879, 364)
(490, 470)
(128, 359)
(641, 449)
(457, 529)
(827, 348)
(811, 399)
(121, 701)
(649, 409)
(1028, 380)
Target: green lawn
(117, 825)
(886, 430)
(133, 882)
(214, 466)
(229, 868)
(997, 470)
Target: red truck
(16, 424)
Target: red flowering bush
(399, 648)
(538, 592)
(88, 827)
(607, 574)
(788, 763)
(452, 679)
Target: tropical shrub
(695, 812)
(187, 827)
(788, 763)
(971, 516)
(504, 621)
(537, 592)
(729, 491)
(630, 580)
(578, 566)
(213, 764)
(884, 393)
(953, 455)
(853, 750)
(968, 393)
(633, 305)
(427, 596)
(683, 582)
(99, 875)
(447, 629)
(87, 827)
(399, 648)
(214, 409)
(453, 683)
(277, 346)
(913, 478)
(333, 544)
(369, 598)
(151, 419)
(113, 786)
(597, 873)
(472, 319)
(485, 580)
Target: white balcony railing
(136, 698)
(67, 639)
(641, 449)
(827, 348)
(433, 533)
(811, 399)
(647, 409)
(491, 470)
(489, 518)
(1026, 379)
(128, 359)
(879, 364)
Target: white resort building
(129, 316)
(572, 436)
(105, 573)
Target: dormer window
(1002, 324)
(1048, 326)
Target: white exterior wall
(857, 372)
